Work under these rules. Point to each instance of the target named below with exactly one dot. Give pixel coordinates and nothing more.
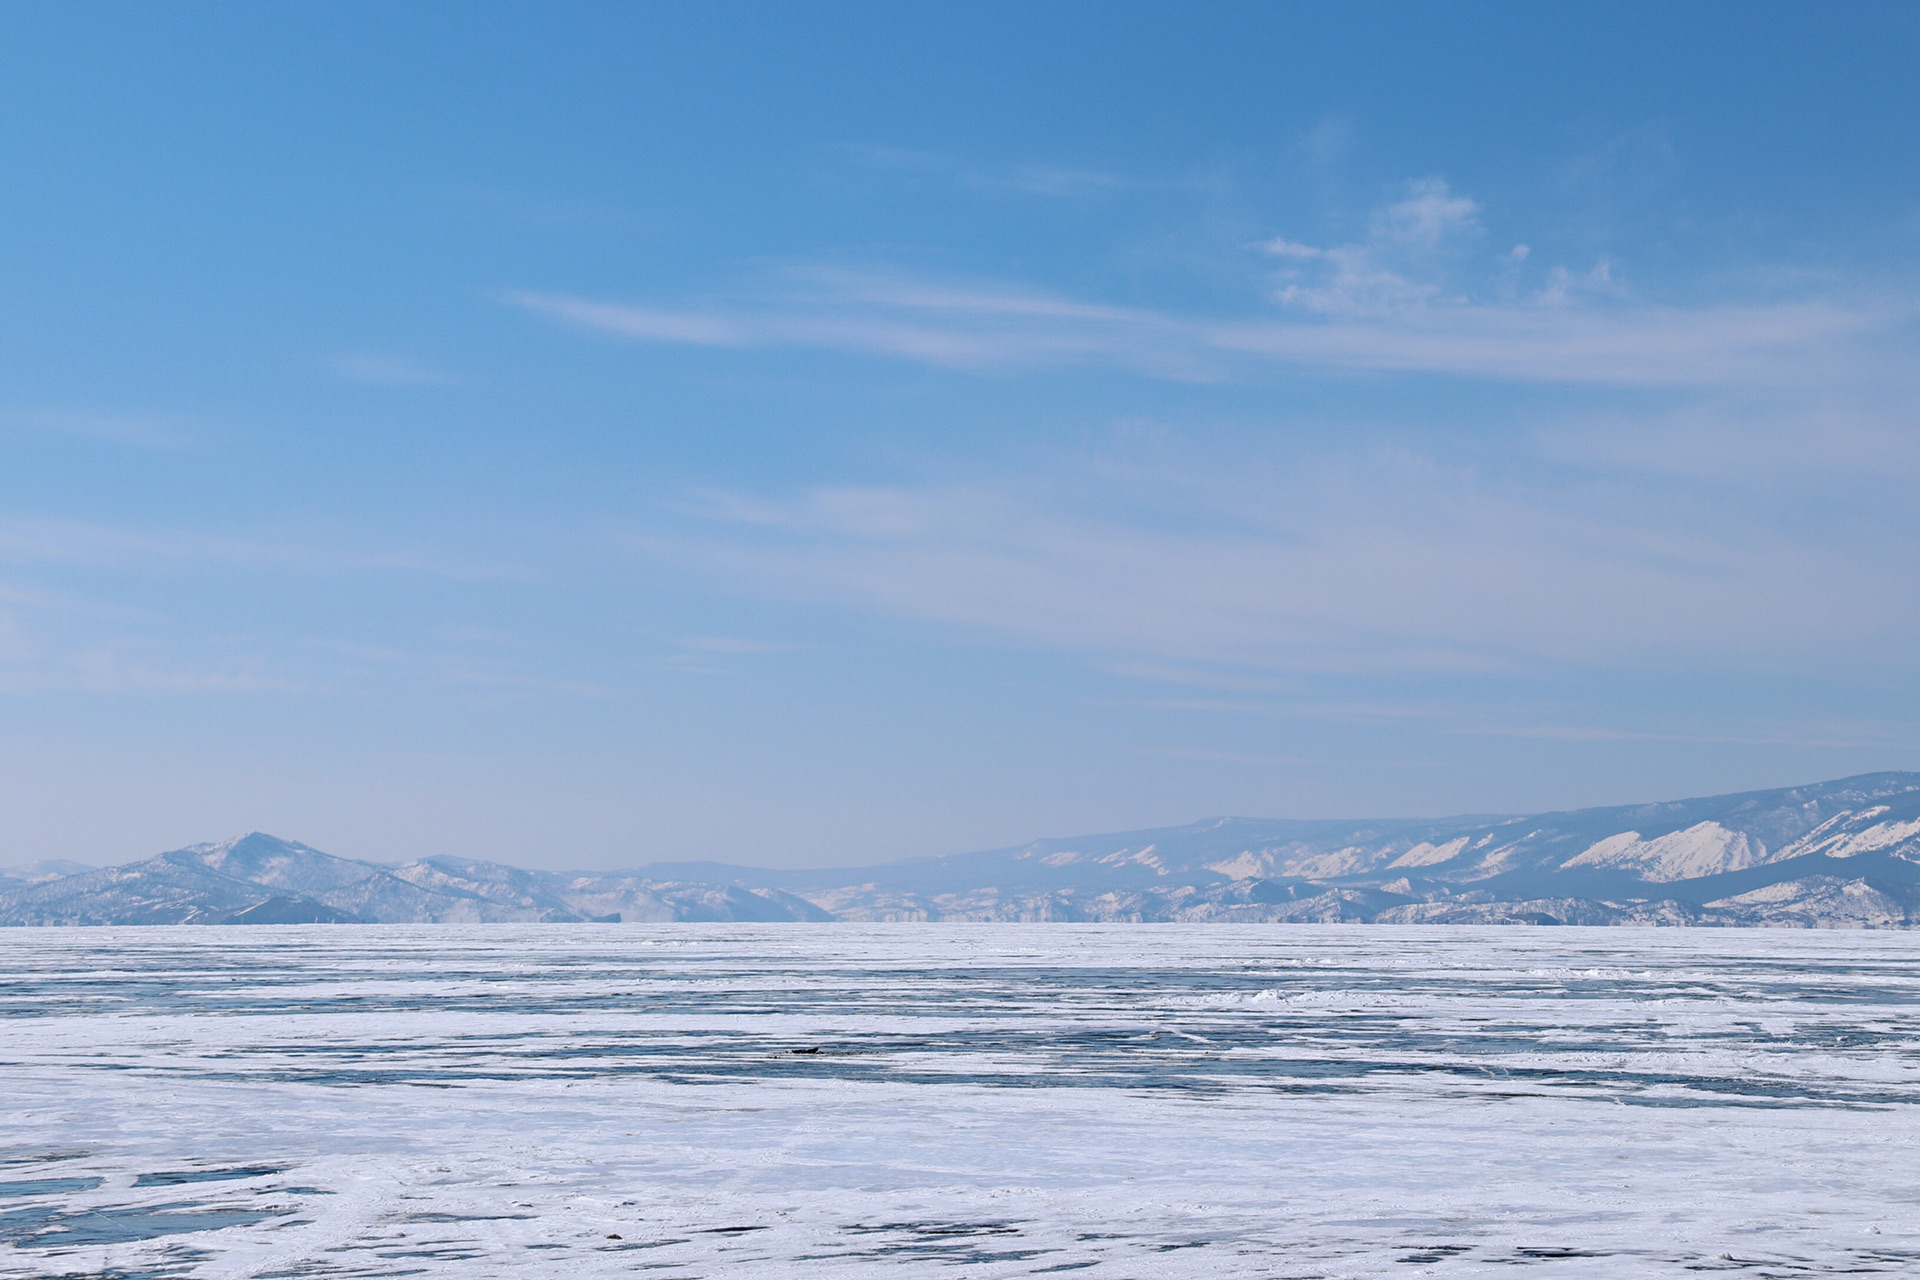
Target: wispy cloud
(1394, 270)
(989, 329)
(1420, 292)
(1374, 562)
(1620, 536)
(1052, 181)
(945, 324)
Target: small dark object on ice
(815, 1049)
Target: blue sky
(589, 434)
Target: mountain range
(1833, 854)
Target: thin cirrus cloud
(1421, 291)
(998, 327)
(1657, 542)
(1047, 181)
(1387, 565)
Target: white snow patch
(1352, 860)
(1704, 849)
(1243, 866)
(1426, 855)
(1882, 835)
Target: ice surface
(859, 1100)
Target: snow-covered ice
(870, 1100)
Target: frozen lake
(842, 1100)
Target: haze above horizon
(814, 437)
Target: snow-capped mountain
(1845, 852)
(1836, 853)
(262, 879)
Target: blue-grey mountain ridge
(1833, 854)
